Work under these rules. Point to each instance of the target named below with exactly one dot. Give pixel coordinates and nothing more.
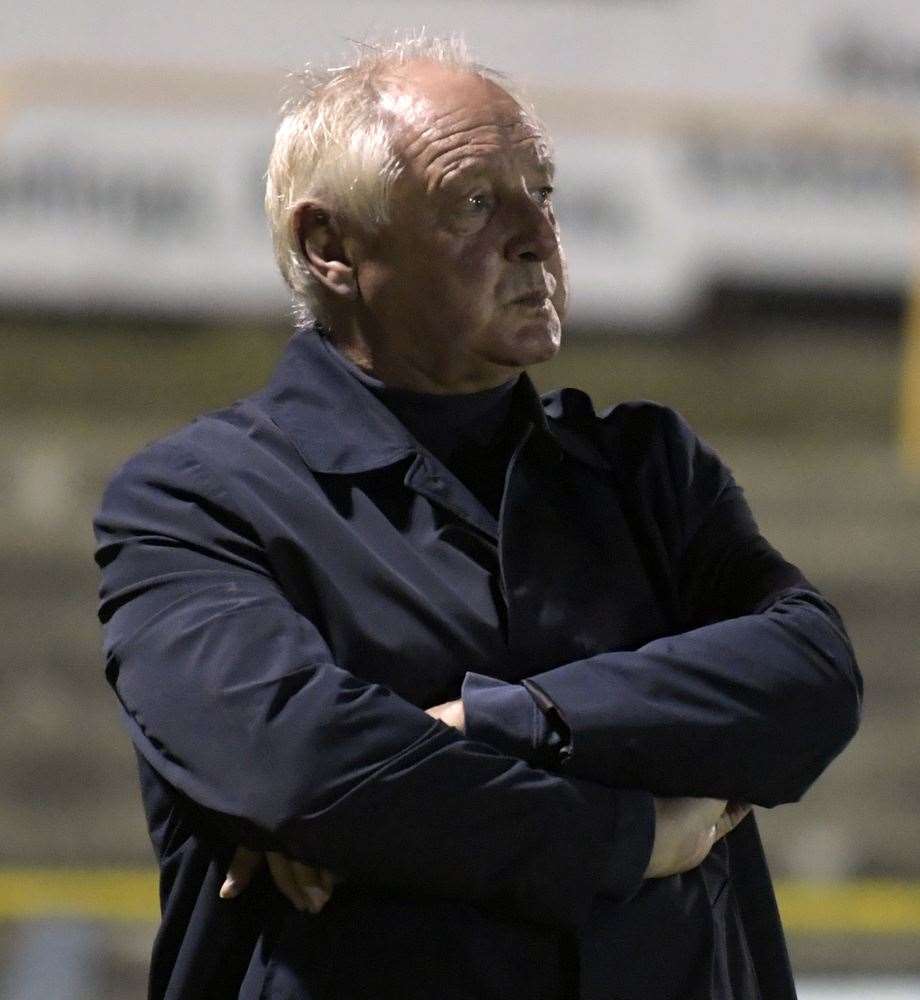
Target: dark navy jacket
(289, 583)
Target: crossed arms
(233, 696)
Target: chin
(527, 341)
(538, 342)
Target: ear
(320, 239)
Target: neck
(433, 375)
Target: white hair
(335, 144)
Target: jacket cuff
(503, 715)
(511, 718)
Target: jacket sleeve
(232, 695)
(750, 703)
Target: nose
(533, 235)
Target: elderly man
(492, 679)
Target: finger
(715, 808)
(734, 813)
(283, 877)
(244, 865)
(737, 812)
(310, 884)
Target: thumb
(244, 865)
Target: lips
(534, 299)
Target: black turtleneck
(473, 433)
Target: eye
(479, 201)
(542, 195)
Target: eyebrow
(464, 172)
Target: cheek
(478, 272)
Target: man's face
(466, 285)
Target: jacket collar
(339, 426)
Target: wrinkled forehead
(447, 114)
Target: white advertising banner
(105, 208)
(698, 143)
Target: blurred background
(738, 187)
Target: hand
(450, 712)
(306, 887)
(686, 829)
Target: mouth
(532, 300)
